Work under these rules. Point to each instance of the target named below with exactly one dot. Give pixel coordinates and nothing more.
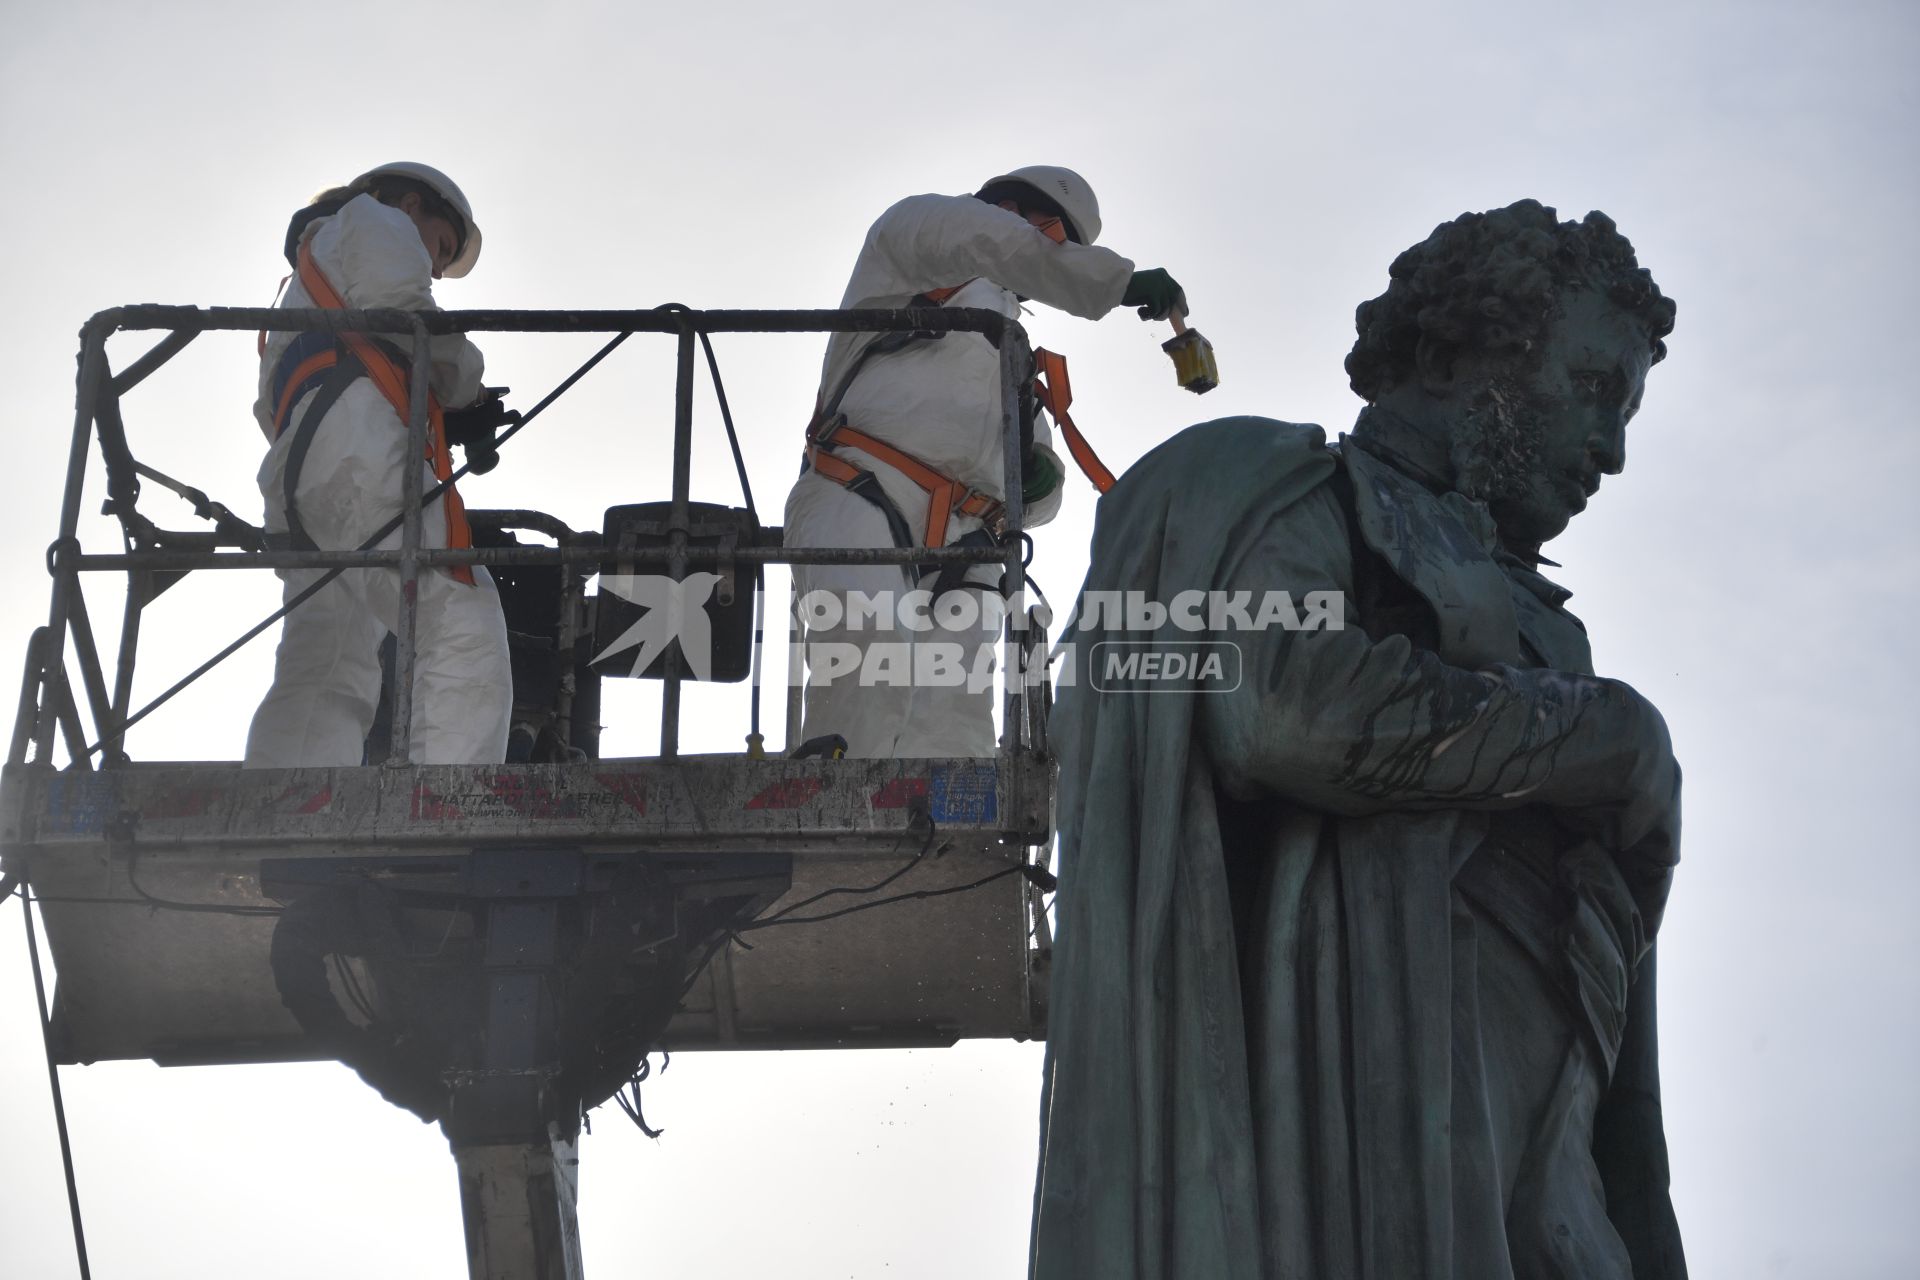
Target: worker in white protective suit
(907, 449)
(333, 407)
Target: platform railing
(48, 708)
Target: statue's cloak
(1267, 1097)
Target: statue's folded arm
(1339, 721)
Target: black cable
(733, 935)
(203, 506)
(208, 908)
(720, 395)
(59, 1103)
(155, 904)
(634, 1113)
(152, 903)
(909, 865)
(706, 958)
(726, 416)
(535, 412)
(919, 894)
(369, 545)
(351, 985)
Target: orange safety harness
(312, 366)
(945, 495)
(1051, 387)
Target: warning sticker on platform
(964, 793)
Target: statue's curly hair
(1490, 281)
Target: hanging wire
(631, 1104)
(908, 865)
(53, 1079)
(733, 935)
(720, 396)
(726, 416)
(1031, 872)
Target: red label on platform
(187, 802)
(899, 793)
(788, 793)
(314, 803)
(631, 790)
(428, 807)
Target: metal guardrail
(48, 707)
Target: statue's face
(1552, 429)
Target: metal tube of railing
(442, 557)
(411, 560)
(67, 712)
(87, 654)
(400, 752)
(989, 324)
(796, 661)
(66, 575)
(164, 350)
(138, 582)
(26, 716)
(679, 523)
(1014, 360)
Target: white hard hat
(1065, 188)
(449, 191)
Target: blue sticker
(80, 804)
(964, 793)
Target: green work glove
(1040, 475)
(1155, 293)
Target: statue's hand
(1638, 816)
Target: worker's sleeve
(1337, 721)
(933, 241)
(372, 253)
(1047, 506)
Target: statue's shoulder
(1238, 442)
(1231, 458)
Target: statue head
(1520, 346)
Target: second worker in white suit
(907, 449)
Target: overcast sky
(1753, 572)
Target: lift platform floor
(149, 878)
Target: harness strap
(385, 374)
(1050, 385)
(946, 496)
(303, 366)
(335, 378)
(952, 577)
(938, 297)
(863, 484)
(856, 480)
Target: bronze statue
(1354, 974)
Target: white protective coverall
(326, 678)
(938, 401)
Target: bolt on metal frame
(47, 704)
